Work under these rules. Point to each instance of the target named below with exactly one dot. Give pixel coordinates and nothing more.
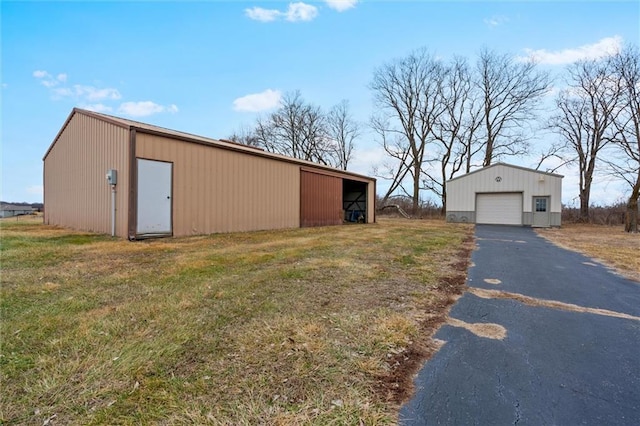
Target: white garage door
(500, 208)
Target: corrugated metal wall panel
(216, 190)
(320, 199)
(76, 193)
(461, 192)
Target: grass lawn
(608, 244)
(316, 325)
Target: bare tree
(408, 94)
(586, 112)
(555, 150)
(442, 117)
(626, 70)
(396, 147)
(297, 129)
(342, 129)
(301, 130)
(245, 136)
(510, 92)
(455, 130)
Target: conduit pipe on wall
(112, 179)
(113, 210)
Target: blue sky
(210, 67)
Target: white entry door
(154, 197)
(541, 216)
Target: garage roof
(188, 137)
(506, 165)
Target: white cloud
(97, 107)
(256, 102)
(605, 47)
(495, 21)
(94, 94)
(47, 80)
(145, 108)
(301, 12)
(62, 92)
(262, 15)
(35, 190)
(296, 12)
(367, 158)
(97, 98)
(88, 93)
(41, 74)
(341, 5)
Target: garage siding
(217, 186)
(499, 208)
(320, 199)
(463, 192)
(217, 190)
(76, 193)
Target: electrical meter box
(112, 177)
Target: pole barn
(505, 194)
(106, 174)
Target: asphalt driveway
(570, 354)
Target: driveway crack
(517, 412)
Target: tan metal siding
(217, 190)
(320, 199)
(76, 193)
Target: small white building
(10, 210)
(505, 194)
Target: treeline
(303, 130)
(598, 120)
(37, 206)
(614, 214)
(439, 119)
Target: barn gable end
(76, 193)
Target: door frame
(520, 196)
(545, 215)
(139, 235)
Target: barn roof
(526, 169)
(14, 207)
(189, 137)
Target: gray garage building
(107, 174)
(10, 210)
(505, 194)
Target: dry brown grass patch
(607, 244)
(553, 304)
(486, 330)
(323, 325)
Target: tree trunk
(416, 189)
(488, 153)
(443, 209)
(631, 216)
(584, 205)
